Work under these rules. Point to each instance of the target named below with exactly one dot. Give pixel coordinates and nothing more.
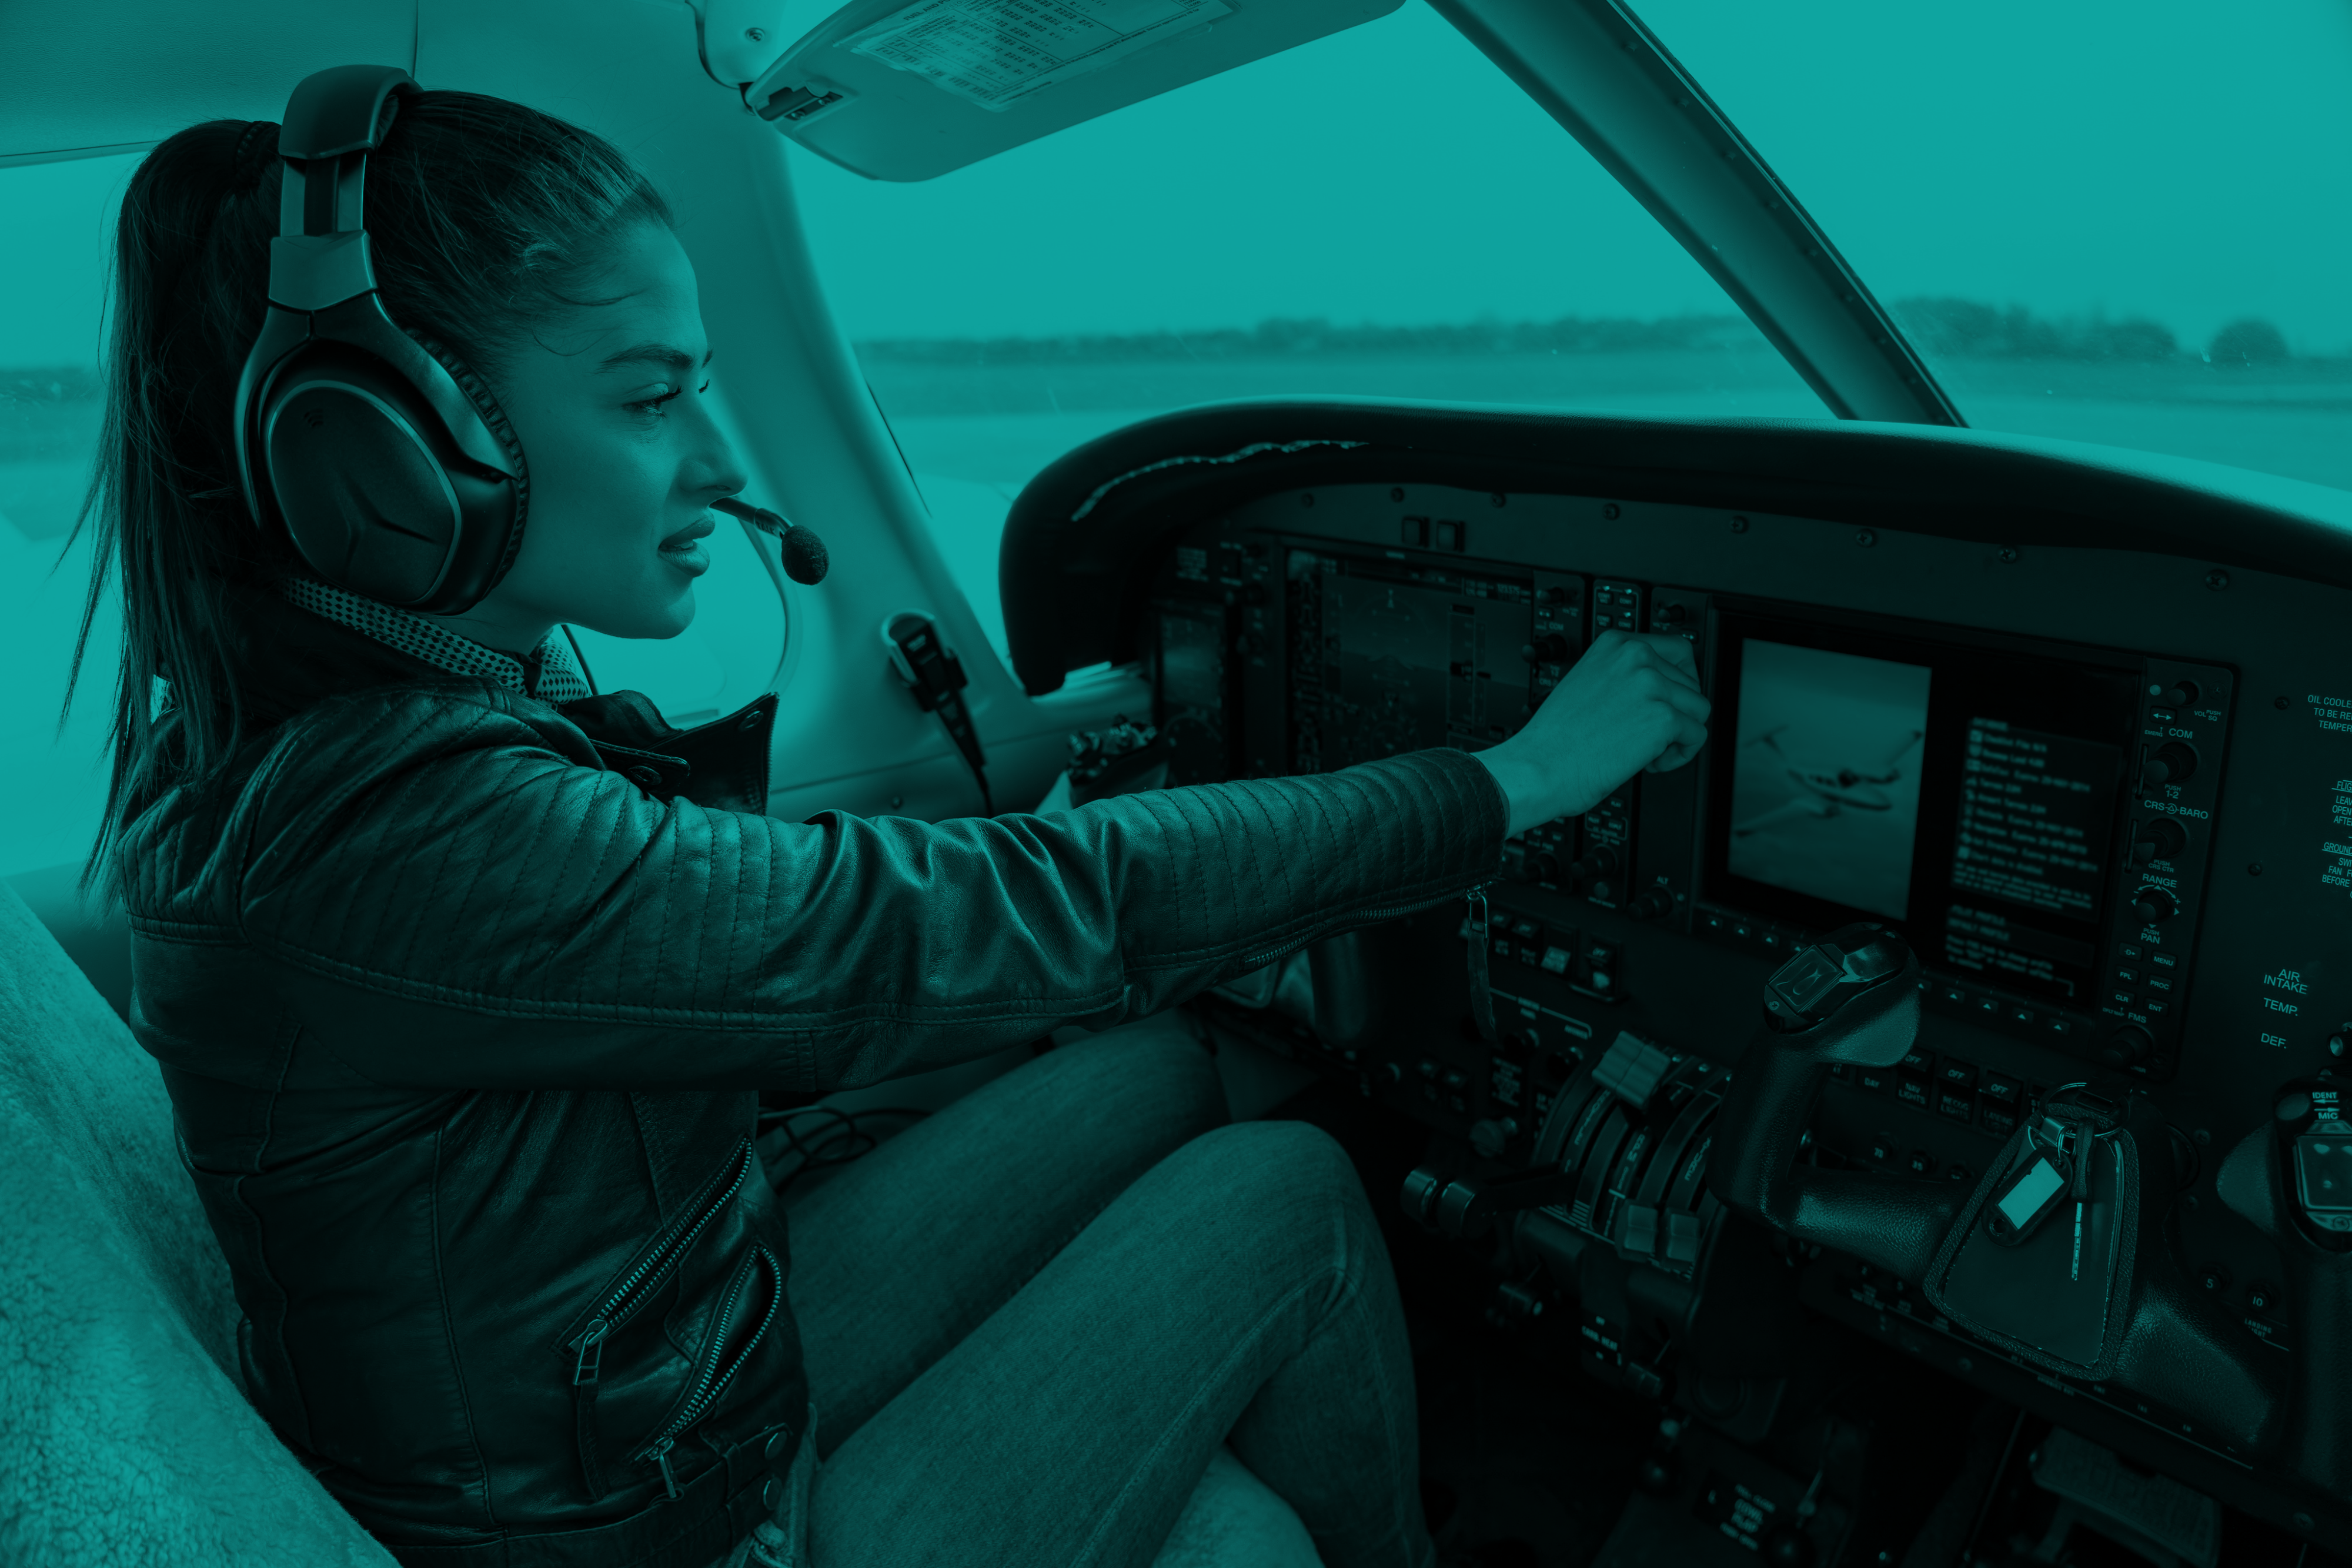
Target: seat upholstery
(125, 1437)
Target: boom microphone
(804, 558)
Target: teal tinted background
(2066, 204)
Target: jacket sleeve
(475, 908)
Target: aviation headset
(373, 449)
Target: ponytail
(484, 216)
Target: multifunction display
(1968, 793)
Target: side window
(52, 791)
(1379, 214)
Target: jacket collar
(298, 648)
(549, 674)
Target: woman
(465, 1028)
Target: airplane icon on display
(1828, 791)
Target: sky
(2156, 159)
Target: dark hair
(482, 216)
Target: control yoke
(1853, 998)
(1850, 999)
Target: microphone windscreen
(804, 558)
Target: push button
(1922, 1162)
(1958, 1074)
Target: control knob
(1492, 1136)
(2127, 1047)
(1668, 615)
(2154, 904)
(1551, 648)
(2158, 839)
(2168, 764)
(2181, 694)
(1600, 860)
(1546, 865)
(1654, 903)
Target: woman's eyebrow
(653, 353)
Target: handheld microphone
(804, 558)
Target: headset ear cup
(493, 418)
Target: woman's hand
(1632, 704)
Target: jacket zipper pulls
(1481, 997)
(661, 1457)
(591, 1353)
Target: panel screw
(1396, 492)
(757, 34)
(2253, 868)
(1738, 525)
(2008, 554)
(1499, 499)
(1305, 497)
(2216, 579)
(1609, 510)
(1865, 538)
(2279, 703)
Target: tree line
(1942, 327)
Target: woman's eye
(652, 405)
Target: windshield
(1382, 213)
(2119, 223)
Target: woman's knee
(1153, 1068)
(1288, 1172)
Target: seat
(125, 1437)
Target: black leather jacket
(464, 1026)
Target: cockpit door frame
(1597, 69)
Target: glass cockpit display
(1825, 789)
(1968, 794)
(1392, 657)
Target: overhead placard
(994, 52)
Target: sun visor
(900, 91)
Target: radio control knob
(2168, 764)
(2158, 839)
(2154, 904)
(1546, 866)
(1654, 904)
(2181, 694)
(1598, 860)
(2127, 1047)
(1668, 615)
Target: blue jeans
(1031, 1319)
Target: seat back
(124, 1435)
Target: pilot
(464, 1027)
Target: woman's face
(624, 458)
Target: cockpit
(1909, 1134)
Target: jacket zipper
(1482, 995)
(710, 1379)
(623, 1302)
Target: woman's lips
(683, 549)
